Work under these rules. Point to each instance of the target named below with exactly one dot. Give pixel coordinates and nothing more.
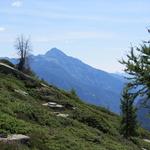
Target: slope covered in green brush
(72, 125)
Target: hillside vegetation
(86, 128)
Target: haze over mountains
(93, 85)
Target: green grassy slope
(87, 127)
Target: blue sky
(98, 32)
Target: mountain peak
(55, 52)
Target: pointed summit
(55, 52)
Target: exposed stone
(62, 115)
(147, 140)
(46, 104)
(15, 137)
(74, 108)
(59, 106)
(21, 92)
(44, 85)
(53, 105)
(58, 114)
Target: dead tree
(23, 47)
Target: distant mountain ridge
(92, 85)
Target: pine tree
(128, 122)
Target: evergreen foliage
(137, 66)
(128, 122)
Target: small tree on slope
(128, 122)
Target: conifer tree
(128, 121)
(137, 66)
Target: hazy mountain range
(93, 85)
